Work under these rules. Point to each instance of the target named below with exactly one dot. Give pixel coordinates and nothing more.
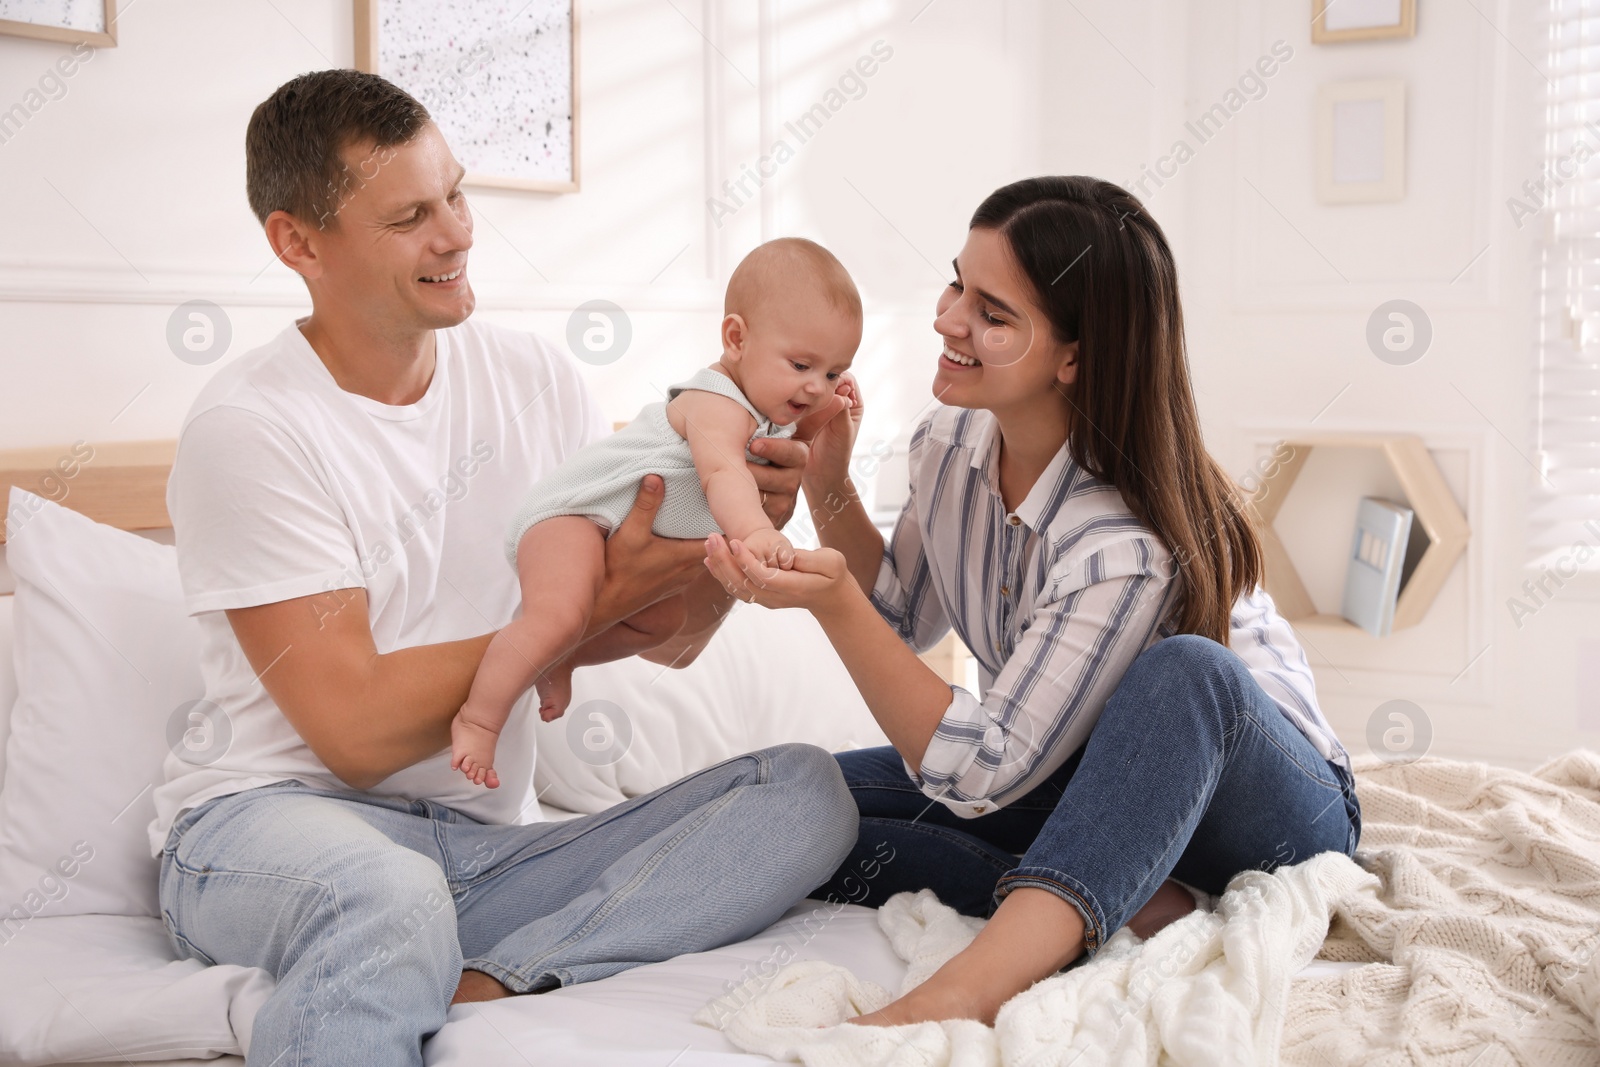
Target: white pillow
(107, 987)
(768, 677)
(104, 655)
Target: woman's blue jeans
(1191, 772)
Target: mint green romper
(601, 480)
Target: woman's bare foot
(1033, 935)
(555, 690)
(476, 986)
(472, 751)
(935, 1000)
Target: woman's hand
(778, 480)
(832, 438)
(818, 580)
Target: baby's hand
(771, 548)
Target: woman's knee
(1185, 655)
(1184, 686)
(1183, 670)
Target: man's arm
(365, 715)
(368, 715)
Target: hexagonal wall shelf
(1434, 507)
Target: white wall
(1278, 290)
(125, 198)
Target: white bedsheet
(113, 969)
(76, 985)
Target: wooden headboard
(122, 483)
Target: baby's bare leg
(561, 564)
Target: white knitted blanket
(1476, 907)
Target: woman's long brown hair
(1104, 274)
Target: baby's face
(793, 356)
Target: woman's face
(999, 349)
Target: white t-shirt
(285, 485)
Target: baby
(790, 328)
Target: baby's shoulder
(708, 410)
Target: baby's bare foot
(472, 751)
(555, 691)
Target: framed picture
(499, 78)
(73, 21)
(1335, 21)
(1361, 142)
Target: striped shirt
(1054, 599)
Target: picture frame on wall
(92, 22)
(1340, 21)
(1361, 142)
(499, 78)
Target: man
(340, 499)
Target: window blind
(1565, 199)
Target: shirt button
(979, 810)
(1005, 590)
(1015, 520)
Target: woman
(1146, 712)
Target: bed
(1469, 923)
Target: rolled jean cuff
(517, 981)
(1068, 889)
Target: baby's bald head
(791, 328)
(790, 269)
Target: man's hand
(642, 568)
(779, 482)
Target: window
(1565, 200)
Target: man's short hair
(293, 144)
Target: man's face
(393, 247)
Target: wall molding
(90, 283)
(114, 282)
(1257, 290)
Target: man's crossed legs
(367, 909)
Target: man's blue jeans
(1190, 772)
(367, 909)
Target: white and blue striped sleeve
(1097, 616)
(904, 593)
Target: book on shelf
(1377, 567)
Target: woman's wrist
(843, 598)
(820, 489)
(827, 501)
